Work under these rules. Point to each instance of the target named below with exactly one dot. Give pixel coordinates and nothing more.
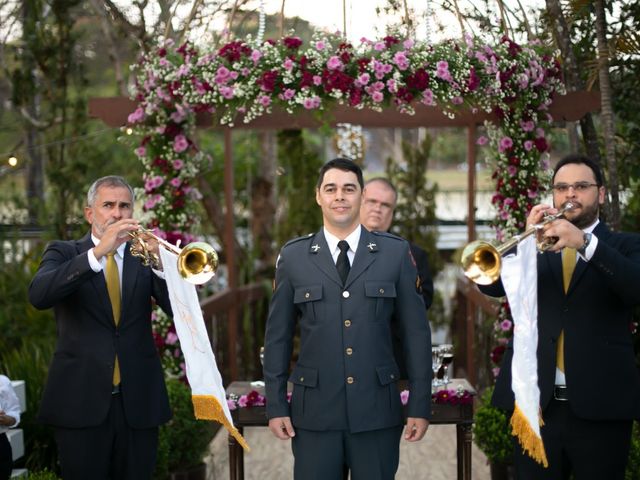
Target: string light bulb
(13, 161)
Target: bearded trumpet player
(588, 285)
(105, 394)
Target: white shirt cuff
(93, 261)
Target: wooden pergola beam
(570, 107)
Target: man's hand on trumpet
(153, 246)
(556, 235)
(113, 235)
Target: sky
(361, 15)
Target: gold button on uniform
(345, 294)
(349, 351)
(382, 290)
(350, 380)
(306, 295)
(347, 323)
(302, 379)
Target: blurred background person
(9, 418)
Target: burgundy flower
(389, 41)
(355, 97)
(233, 51)
(306, 79)
(362, 63)
(497, 353)
(336, 80)
(162, 52)
(268, 80)
(474, 81)
(541, 144)
(158, 340)
(419, 80)
(404, 94)
(292, 43)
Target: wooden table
(441, 414)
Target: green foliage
(42, 475)
(491, 430)
(30, 362)
(298, 168)
(182, 442)
(633, 466)
(415, 213)
(20, 323)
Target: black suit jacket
(346, 374)
(601, 374)
(78, 389)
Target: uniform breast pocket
(383, 294)
(308, 299)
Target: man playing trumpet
(105, 393)
(587, 287)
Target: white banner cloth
(520, 280)
(207, 391)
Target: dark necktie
(343, 264)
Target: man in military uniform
(342, 287)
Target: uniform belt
(115, 390)
(560, 392)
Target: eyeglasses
(578, 187)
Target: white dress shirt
(9, 402)
(352, 239)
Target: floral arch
(514, 85)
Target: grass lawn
(454, 179)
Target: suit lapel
(365, 255)
(320, 255)
(554, 263)
(99, 283)
(602, 232)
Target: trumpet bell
(481, 262)
(197, 262)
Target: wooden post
(229, 247)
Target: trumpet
(197, 261)
(482, 261)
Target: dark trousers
(6, 462)
(588, 449)
(110, 451)
(370, 455)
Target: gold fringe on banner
(207, 407)
(529, 440)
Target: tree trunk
(263, 209)
(573, 80)
(35, 167)
(606, 99)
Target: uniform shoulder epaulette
(387, 234)
(297, 239)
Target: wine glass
(259, 383)
(436, 363)
(447, 358)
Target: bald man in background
(379, 198)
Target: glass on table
(447, 358)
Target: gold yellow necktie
(113, 287)
(568, 266)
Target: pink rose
(334, 63)
(178, 164)
(180, 143)
(136, 116)
(482, 140)
(265, 100)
